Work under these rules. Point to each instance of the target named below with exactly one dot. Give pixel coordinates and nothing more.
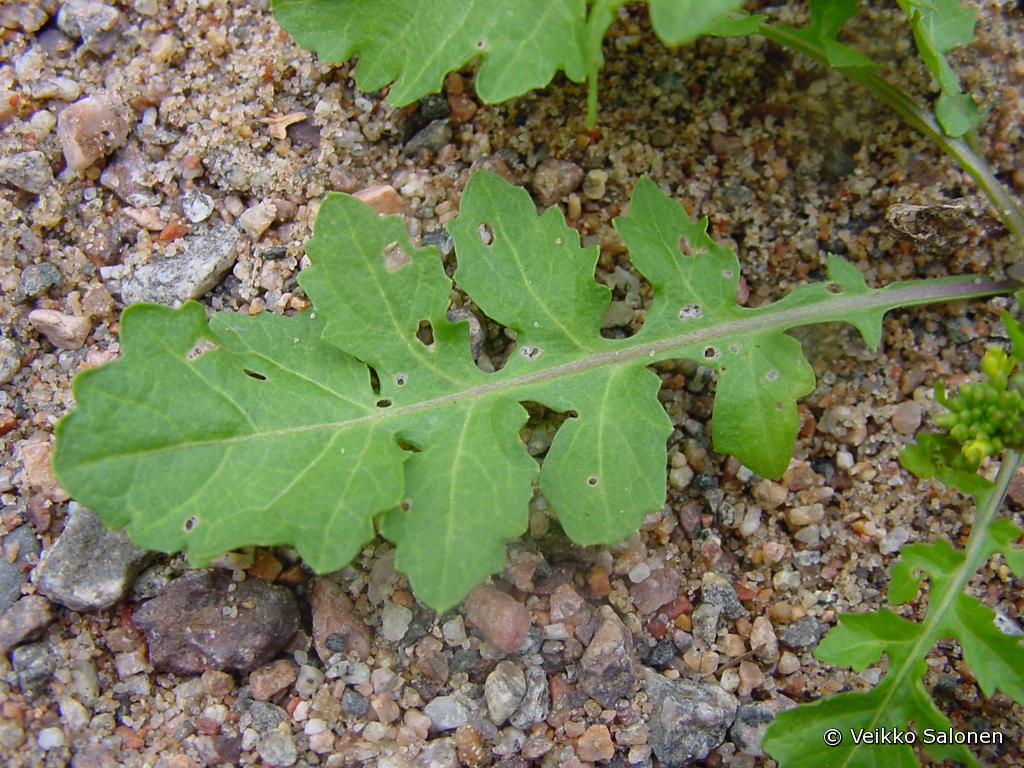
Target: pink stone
(333, 615)
(89, 129)
(656, 590)
(565, 603)
(502, 619)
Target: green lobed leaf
(413, 44)
(827, 19)
(269, 430)
(900, 700)
(940, 26)
(680, 21)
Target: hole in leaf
(772, 375)
(405, 445)
(200, 348)
(727, 274)
(486, 233)
(530, 353)
(374, 381)
(425, 333)
(385, 403)
(734, 349)
(481, 44)
(406, 505)
(395, 257)
(254, 375)
(592, 481)
(710, 353)
(190, 523)
(685, 247)
(778, 406)
(691, 312)
(541, 428)
(401, 379)
(558, 241)
(834, 288)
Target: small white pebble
(844, 460)
(50, 738)
(316, 725)
(639, 572)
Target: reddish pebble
(502, 619)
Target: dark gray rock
(28, 171)
(71, 573)
(752, 720)
(94, 23)
(204, 620)
(718, 592)
(606, 669)
(536, 703)
(661, 655)
(188, 275)
(18, 551)
(802, 633)
(265, 717)
(35, 280)
(689, 719)
(354, 703)
(433, 137)
(34, 665)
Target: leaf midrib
(834, 309)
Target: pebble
(770, 495)
(504, 690)
(554, 180)
(29, 16)
(24, 620)
(606, 668)
(28, 171)
(752, 720)
(639, 572)
(34, 666)
(70, 573)
(197, 206)
(660, 588)
(802, 633)
(205, 620)
(395, 622)
(205, 259)
(383, 198)
(536, 703)
(94, 23)
(500, 617)
(89, 129)
(595, 744)
(35, 280)
(278, 748)
(454, 631)
(309, 680)
(256, 220)
(595, 184)
(434, 137)
(446, 713)
(37, 458)
(354, 703)
(763, 641)
(272, 678)
(565, 603)
(50, 738)
(10, 359)
(335, 627)
(717, 591)
(63, 331)
(130, 177)
(689, 719)
(802, 516)
(19, 550)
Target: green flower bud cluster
(986, 416)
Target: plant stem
(976, 551)
(1006, 208)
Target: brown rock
(37, 456)
(555, 179)
(595, 744)
(383, 198)
(63, 331)
(89, 129)
(606, 668)
(205, 620)
(335, 627)
(502, 619)
(272, 678)
(24, 620)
